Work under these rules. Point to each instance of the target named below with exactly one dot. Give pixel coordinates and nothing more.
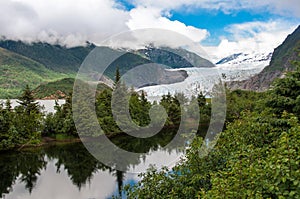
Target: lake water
(48, 105)
(69, 171)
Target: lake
(69, 171)
(48, 105)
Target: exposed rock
(153, 74)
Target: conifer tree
(117, 76)
(27, 101)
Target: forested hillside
(18, 71)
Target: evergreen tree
(144, 110)
(27, 101)
(27, 121)
(5, 117)
(61, 122)
(117, 76)
(173, 109)
(104, 112)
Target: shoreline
(52, 141)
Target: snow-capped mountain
(229, 58)
(246, 60)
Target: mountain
(229, 58)
(17, 71)
(35, 63)
(245, 60)
(54, 57)
(174, 57)
(280, 63)
(62, 59)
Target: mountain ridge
(280, 63)
(62, 62)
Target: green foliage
(21, 125)
(60, 89)
(104, 112)
(205, 108)
(184, 181)
(27, 101)
(285, 94)
(117, 76)
(60, 122)
(173, 109)
(252, 170)
(252, 159)
(257, 156)
(240, 100)
(139, 109)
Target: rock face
(174, 57)
(153, 74)
(280, 63)
(259, 82)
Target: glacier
(241, 67)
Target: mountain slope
(17, 71)
(243, 60)
(55, 57)
(174, 58)
(59, 89)
(280, 62)
(68, 60)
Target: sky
(221, 27)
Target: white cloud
(71, 22)
(252, 37)
(74, 22)
(153, 18)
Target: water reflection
(64, 171)
(70, 171)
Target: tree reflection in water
(27, 166)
